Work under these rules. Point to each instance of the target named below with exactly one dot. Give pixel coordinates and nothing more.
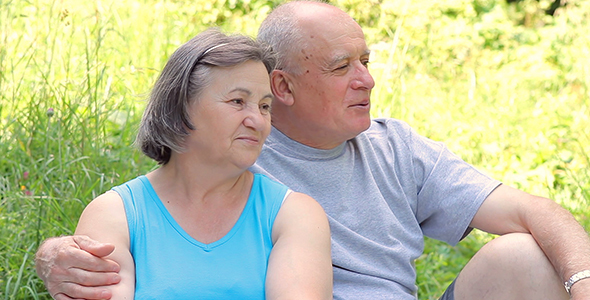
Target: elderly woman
(202, 226)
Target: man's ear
(282, 87)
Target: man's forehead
(342, 49)
(330, 35)
(347, 55)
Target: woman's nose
(255, 119)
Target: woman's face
(231, 116)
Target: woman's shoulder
(268, 183)
(105, 213)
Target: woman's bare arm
(300, 264)
(104, 220)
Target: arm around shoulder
(104, 220)
(300, 263)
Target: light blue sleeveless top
(170, 264)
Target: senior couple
(228, 217)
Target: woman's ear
(282, 87)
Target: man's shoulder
(389, 122)
(386, 128)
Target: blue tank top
(170, 264)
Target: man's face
(332, 91)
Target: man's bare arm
(560, 236)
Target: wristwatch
(575, 278)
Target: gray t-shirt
(383, 191)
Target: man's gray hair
(166, 120)
(281, 31)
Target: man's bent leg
(512, 266)
(449, 292)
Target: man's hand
(74, 267)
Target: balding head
(287, 29)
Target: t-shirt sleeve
(450, 191)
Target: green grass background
(505, 86)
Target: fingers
(88, 285)
(71, 272)
(95, 248)
(71, 257)
(61, 297)
(76, 283)
(85, 277)
(73, 291)
(73, 252)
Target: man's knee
(507, 258)
(512, 266)
(513, 250)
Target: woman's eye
(237, 101)
(265, 108)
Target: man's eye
(342, 67)
(238, 101)
(365, 63)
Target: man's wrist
(581, 290)
(41, 258)
(577, 277)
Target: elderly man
(383, 186)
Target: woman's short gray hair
(166, 120)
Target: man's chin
(360, 127)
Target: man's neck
(316, 140)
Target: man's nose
(363, 79)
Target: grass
(512, 100)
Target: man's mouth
(361, 104)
